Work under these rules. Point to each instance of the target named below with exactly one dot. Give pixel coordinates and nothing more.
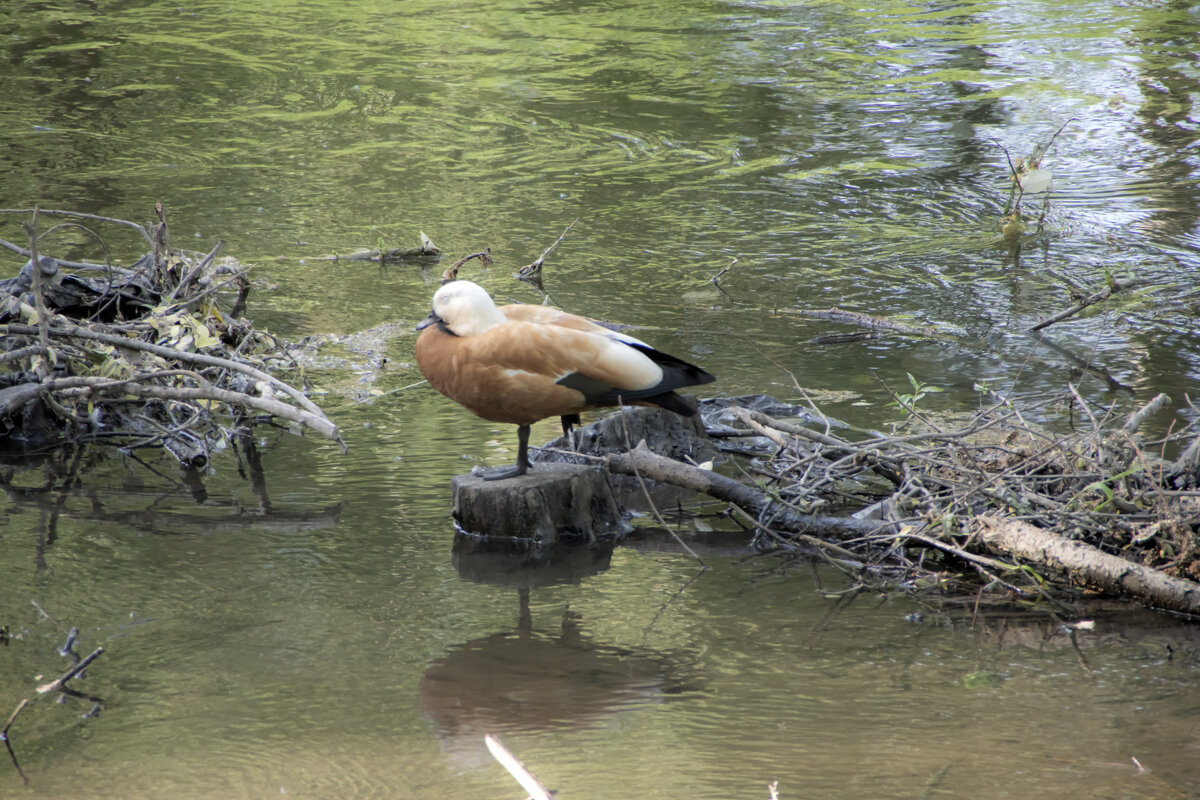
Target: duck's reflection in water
(525, 681)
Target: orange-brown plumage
(519, 363)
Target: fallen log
(1087, 566)
(641, 462)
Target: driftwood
(425, 251)
(141, 357)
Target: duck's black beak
(432, 319)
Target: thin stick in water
(515, 768)
(71, 673)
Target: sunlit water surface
(321, 638)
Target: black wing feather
(677, 374)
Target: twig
(819, 545)
(1092, 299)
(80, 215)
(451, 273)
(875, 323)
(960, 553)
(243, 287)
(650, 501)
(42, 611)
(193, 272)
(8, 745)
(1011, 167)
(24, 352)
(39, 298)
(75, 331)
(84, 265)
(17, 396)
(715, 280)
(13, 717)
(533, 272)
(1040, 150)
(71, 673)
(515, 768)
(1083, 662)
(71, 636)
(1137, 418)
(1084, 406)
(907, 405)
(1083, 364)
(644, 462)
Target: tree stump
(548, 503)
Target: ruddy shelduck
(521, 363)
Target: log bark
(1087, 566)
(548, 503)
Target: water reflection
(1107, 626)
(85, 484)
(843, 155)
(525, 565)
(522, 681)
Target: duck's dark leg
(522, 449)
(522, 465)
(569, 422)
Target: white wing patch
(637, 370)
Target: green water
(319, 638)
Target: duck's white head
(464, 308)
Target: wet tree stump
(549, 503)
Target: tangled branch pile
(139, 357)
(1018, 504)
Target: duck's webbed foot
(499, 473)
(520, 468)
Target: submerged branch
(1092, 299)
